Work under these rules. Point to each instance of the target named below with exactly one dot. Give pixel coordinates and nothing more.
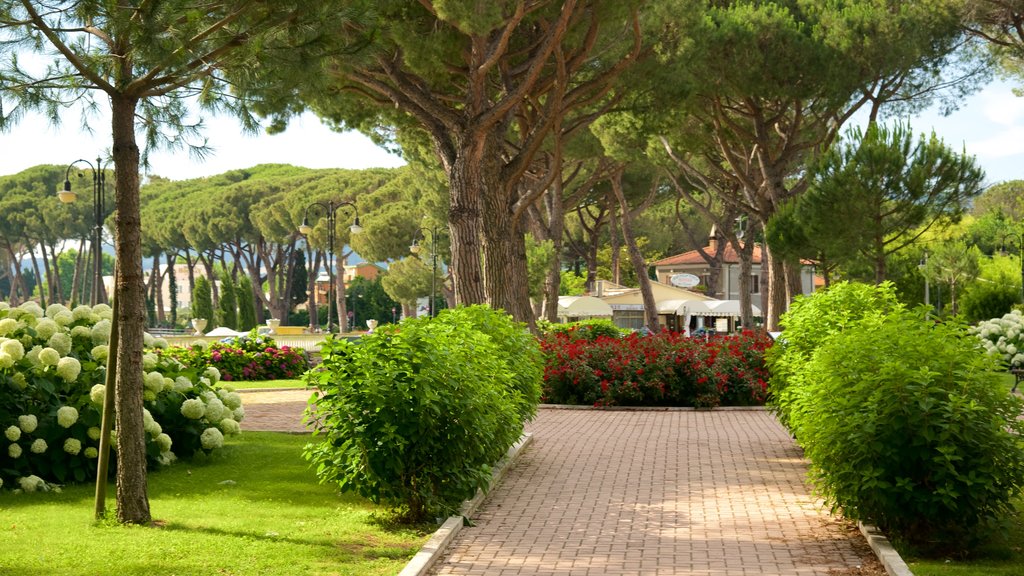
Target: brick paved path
(652, 493)
(655, 493)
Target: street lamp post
(330, 209)
(67, 196)
(922, 266)
(415, 249)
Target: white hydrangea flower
(164, 441)
(63, 318)
(205, 381)
(61, 342)
(193, 408)
(99, 353)
(101, 332)
(91, 452)
(49, 357)
(103, 311)
(213, 374)
(147, 339)
(82, 312)
(53, 309)
(14, 451)
(73, 446)
(149, 424)
(160, 343)
(182, 384)
(13, 348)
(153, 381)
(6, 361)
(211, 439)
(81, 333)
(4, 306)
(149, 361)
(9, 326)
(33, 356)
(33, 309)
(28, 423)
(148, 396)
(208, 395)
(97, 393)
(166, 458)
(46, 328)
(38, 446)
(19, 380)
(214, 410)
(67, 416)
(31, 483)
(232, 400)
(69, 368)
(94, 433)
(239, 413)
(229, 427)
(12, 433)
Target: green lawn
(246, 384)
(1001, 557)
(255, 508)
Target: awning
(583, 307)
(719, 308)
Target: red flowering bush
(666, 369)
(251, 357)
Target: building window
(755, 284)
(633, 319)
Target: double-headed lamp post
(67, 196)
(330, 209)
(415, 249)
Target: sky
(989, 125)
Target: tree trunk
(158, 295)
(556, 220)
(505, 271)
(777, 302)
(132, 499)
(18, 282)
(51, 283)
(76, 277)
(614, 241)
(635, 257)
(39, 277)
(313, 258)
(466, 186)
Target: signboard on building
(684, 280)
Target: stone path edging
(434, 549)
(887, 555)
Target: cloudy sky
(990, 125)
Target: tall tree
(144, 59)
(228, 305)
(487, 82)
(202, 301)
(879, 190)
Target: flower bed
(251, 357)
(52, 369)
(665, 369)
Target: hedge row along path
(680, 492)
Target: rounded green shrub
(414, 414)
(906, 427)
(519, 348)
(810, 322)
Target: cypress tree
(246, 305)
(228, 301)
(202, 301)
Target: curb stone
(432, 551)
(887, 555)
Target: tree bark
(132, 499)
(635, 257)
(466, 184)
(76, 277)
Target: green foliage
(989, 299)
(368, 299)
(810, 322)
(571, 284)
(585, 329)
(539, 257)
(246, 305)
(414, 414)
(202, 301)
(172, 288)
(519, 350)
(906, 428)
(228, 304)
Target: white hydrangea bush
(1004, 337)
(52, 375)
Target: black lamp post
(415, 249)
(67, 196)
(330, 209)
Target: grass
(255, 508)
(1003, 556)
(261, 384)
